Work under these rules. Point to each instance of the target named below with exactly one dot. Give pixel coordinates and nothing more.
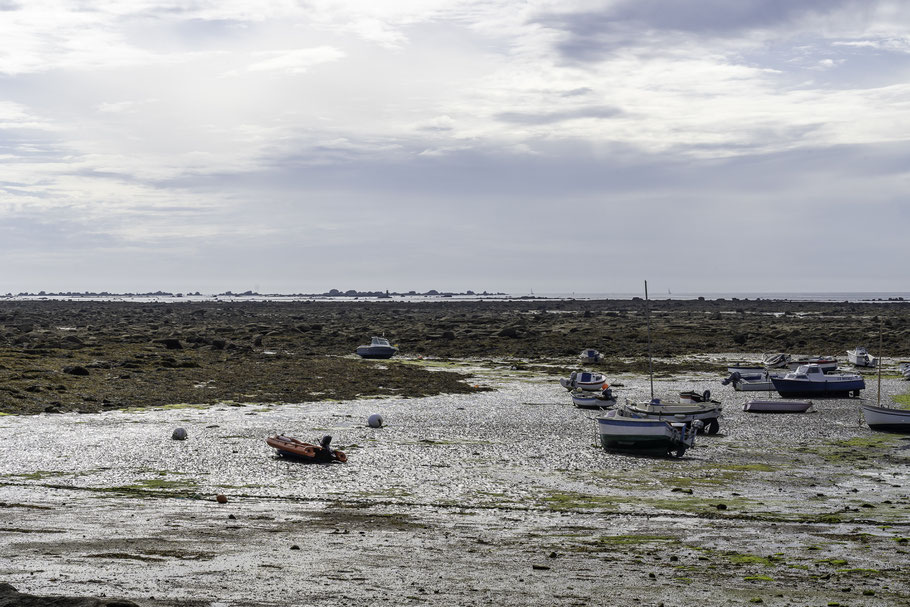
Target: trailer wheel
(678, 452)
(713, 426)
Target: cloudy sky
(501, 145)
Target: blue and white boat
(811, 380)
(379, 348)
(618, 432)
(589, 382)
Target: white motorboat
(590, 355)
(589, 382)
(777, 406)
(887, 419)
(379, 348)
(860, 357)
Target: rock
(179, 434)
(171, 343)
(76, 370)
(448, 335)
(510, 332)
(257, 341)
(375, 421)
(721, 506)
(221, 498)
(10, 597)
(295, 547)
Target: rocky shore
(89, 356)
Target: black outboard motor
(735, 376)
(325, 454)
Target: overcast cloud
(704, 145)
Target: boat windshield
(379, 341)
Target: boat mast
(648, 317)
(880, 323)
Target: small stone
(295, 547)
(540, 567)
(553, 555)
(652, 576)
(232, 517)
(221, 498)
(721, 506)
(75, 370)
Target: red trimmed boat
(307, 452)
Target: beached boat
(589, 382)
(746, 368)
(691, 396)
(379, 348)
(594, 400)
(590, 355)
(887, 419)
(778, 360)
(618, 432)
(904, 368)
(709, 413)
(307, 452)
(810, 380)
(751, 382)
(860, 357)
(825, 363)
(777, 406)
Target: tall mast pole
(880, 323)
(648, 317)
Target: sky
(502, 145)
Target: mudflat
(89, 356)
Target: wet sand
(499, 495)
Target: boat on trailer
(758, 405)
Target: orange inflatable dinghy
(293, 448)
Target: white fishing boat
(887, 419)
(777, 406)
(589, 382)
(590, 355)
(709, 413)
(860, 357)
(618, 432)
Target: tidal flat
(498, 494)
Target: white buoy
(375, 421)
(179, 434)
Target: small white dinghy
(758, 405)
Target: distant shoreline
(432, 295)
